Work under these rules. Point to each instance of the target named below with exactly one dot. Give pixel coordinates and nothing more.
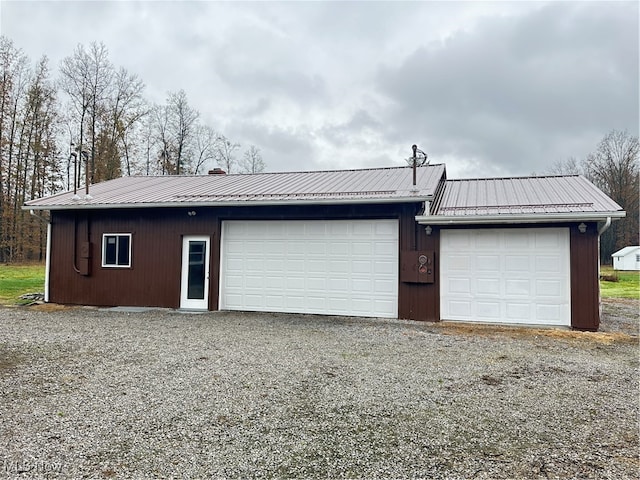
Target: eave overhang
(515, 218)
(88, 205)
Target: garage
(517, 275)
(335, 267)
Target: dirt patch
(51, 307)
(496, 331)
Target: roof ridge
(396, 167)
(523, 177)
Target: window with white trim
(116, 250)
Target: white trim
(187, 303)
(47, 264)
(104, 250)
(517, 218)
(236, 203)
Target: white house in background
(627, 259)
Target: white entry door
(328, 267)
(518, 275)
(194, 291)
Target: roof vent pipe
(217, 171)
(419, 159)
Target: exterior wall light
(582, 228)
(428, 229)
(191, 213)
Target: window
(116, 250)
(638, 258)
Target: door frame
(194, 304)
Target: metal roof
(623, 252)
(373, 185)
(515, 199)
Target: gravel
(93, 393)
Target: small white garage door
(330, 267)
(506, 276)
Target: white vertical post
(47, 267)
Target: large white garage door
(331, 267)
(506, 275)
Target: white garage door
(331, 267)
(506, 276)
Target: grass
(16, 280)
(618, 283)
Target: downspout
(604, 227)
(75, 243)
(47, 258)
(601, 230)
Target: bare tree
(613, 167)
(124, 109)
(570, 166)
(100, 80)
(15, 77)
(205, 146)
(252, 161)
(183, 119)
(175, 124)
(75, 81)
(225, 153)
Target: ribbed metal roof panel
(522, 195)
(367, 185)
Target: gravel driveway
(105, 394)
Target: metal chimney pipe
(415, 160)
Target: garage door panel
(386, 249)
(488, 310)
(457, 263)
(459, 285)
(528, 281)
(549, 288)
(547, 264)
(339, 267)
(488, 263)
(487, 240)
(517, 263)
(519, 312)
(551, 313)
(488, 286)
(516, 241)
(383, 286)
(547, 240)
(518, 287)
(459, 309)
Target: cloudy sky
(490, 89)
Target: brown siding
(419, 301)
(585, 285)
(154, 278)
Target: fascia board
(251, 203)
(518, 218)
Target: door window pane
(196, 275)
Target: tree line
(90, 124)
(613, 167)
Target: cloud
(513, 89)
(500, 88)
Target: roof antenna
(418, 159)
